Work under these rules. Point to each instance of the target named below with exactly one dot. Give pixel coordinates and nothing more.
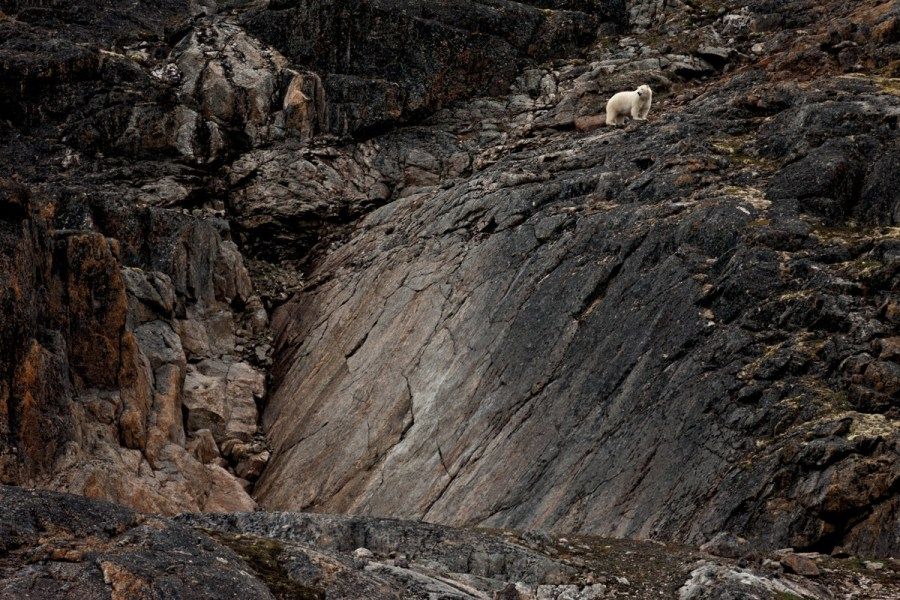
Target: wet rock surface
(486, 308)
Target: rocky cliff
(381, 257)
(666, 330)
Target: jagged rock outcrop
(105, 312)
(384, 61)
(62, 546)
(115, 303)
(57, 546)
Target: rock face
(94, 399)
(665, 330)
(137, 343)
(504, 316)
(388, 60)
(114, 303)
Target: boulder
(794, 563)
(202, 446)
(221, 397)
(726, 545)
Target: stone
(136, 384)
(736, 22)
(150, 295)
(100, 550)
(510, 592)
(222, 397)
(166, 419)
(794, 563)
(194, 338)
(363, 553)
(715, 55)
(96, 306)
(710, 582)
(236, 81)
(226, 494)
(251, 467)
(726, 545)
(401, 561)
(203, 446)
(161, 345)
(824, 182)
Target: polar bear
(636, 104)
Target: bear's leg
(611, 118)
(636, 113)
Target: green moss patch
(264, 556)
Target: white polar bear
(636, 104)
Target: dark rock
(839, 552)
(880, 195)
(715, 55)
(406, 58)
(507, 593)
(826, 182)
(62, 546)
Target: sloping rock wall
(658, 331)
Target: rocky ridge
(60, 546)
